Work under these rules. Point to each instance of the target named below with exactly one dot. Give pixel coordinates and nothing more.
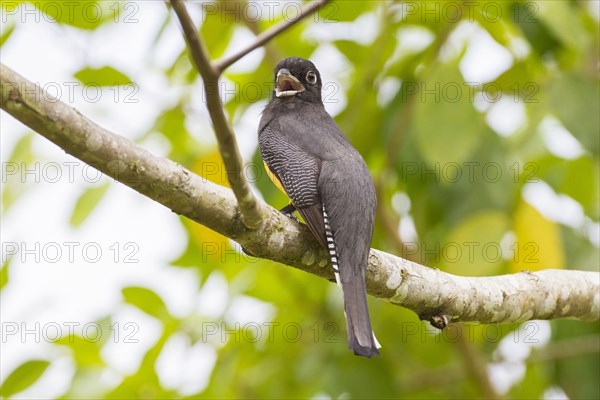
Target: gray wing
(298, 173)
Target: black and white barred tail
(333, 256)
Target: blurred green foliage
(439, 166)
(23, 376)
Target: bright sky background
(82, 291)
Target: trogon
(327, 182)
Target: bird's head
(296, 77)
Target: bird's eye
(311, 77)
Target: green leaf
(446, 126)
(104, 76)
(337, 12)
(146, 300)
(6, 34)
(86, 203)
(23, 376)
(4, 273)
(82, 14)
(562, 19)
(526, 16)
(578, 178)
(521, 81)
(86, 351)
(12, 178)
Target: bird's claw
(288, 211)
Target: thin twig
(267, 35)
(545, 294)
(251, 208)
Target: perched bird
(328, 183)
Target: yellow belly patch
(274, 178)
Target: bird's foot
(288, 211)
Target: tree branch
(269, 34)
(250, 207)
(429, 292)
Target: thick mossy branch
(429, 292)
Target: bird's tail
(361, 339)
